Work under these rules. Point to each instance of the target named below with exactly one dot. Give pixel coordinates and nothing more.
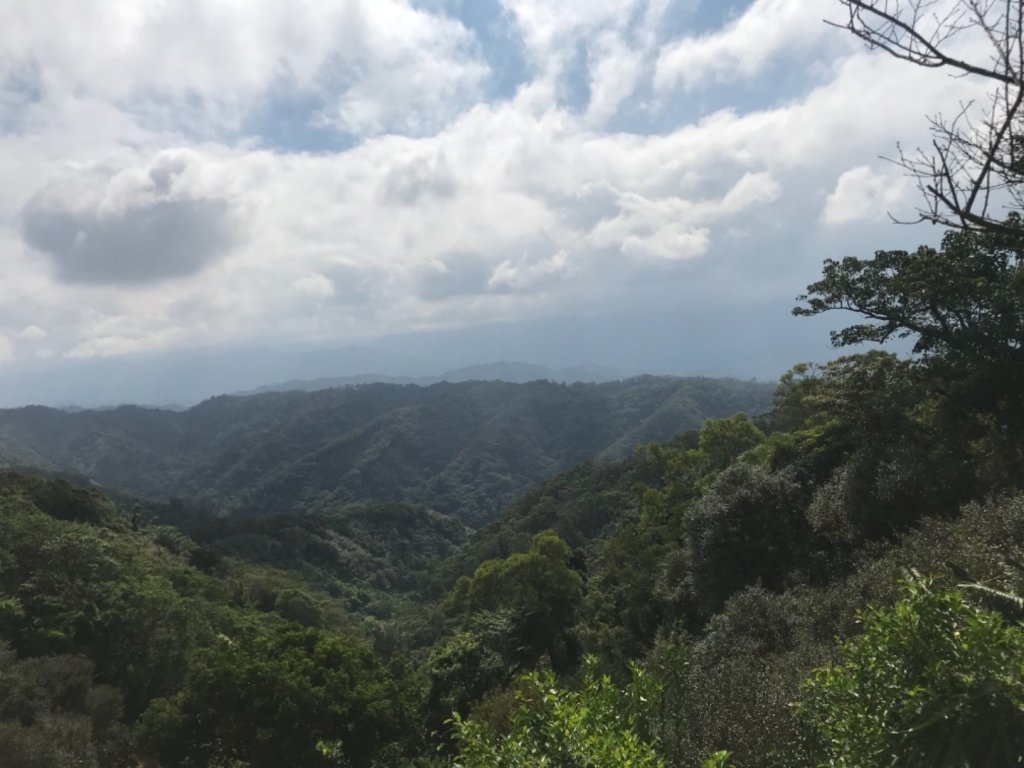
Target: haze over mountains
(688, 342)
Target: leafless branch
(970, 167)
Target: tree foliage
(930, 683)
(599, 725)
(962, 304)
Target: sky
(471, 179)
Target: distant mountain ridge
(512, 372)
(465, 449)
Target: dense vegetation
(667, 609)
(836, 582)
(464, 449)
(675, 608)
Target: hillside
(463, 449)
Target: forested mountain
(463, 449)
(521, 373)
(836, 582)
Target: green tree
(748, 528)
(299, 697)
(599, 726)
(539, 588)
(963, 303)
(723, 440)
(931, 683)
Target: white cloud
(768, 28)
(204, 64)
(516, 206)
(314, 284)
(751, 189)
(33, 333)
(526, 273)
(866, 193)
(672, 242)
(614, 75)
(6, 349)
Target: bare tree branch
(973, 173)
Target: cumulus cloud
(141, 244)
(400, 68)
(411, 182)
(129, 227)
(446, 208)
(373, 65)
(865, 193)
(526, 275)
(615, 72)
(673, 242)
(767, 28)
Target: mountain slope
(463, 449)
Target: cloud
(130, 224)
(615, 72)
(584, 188)
(6, 349)
(409, 183)
(400, 68)
(767, 29)
(673, 242)
(201, 67)
(674, 229)
(865, 193)
(460, 273)
(314, 284)
(535, 269)
(141, 244)
(33, 333)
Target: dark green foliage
(52, 715)
(387, 546)
(964, 307)
(723, 440)
(749, 528)
(580, 506)
(540, 591)
(961, 304)
(464, 449)
(110, 620)
(866, 433)
(293, 698)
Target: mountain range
(464, 449)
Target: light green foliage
(723, 440)
(599, 726)
(931, 683)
